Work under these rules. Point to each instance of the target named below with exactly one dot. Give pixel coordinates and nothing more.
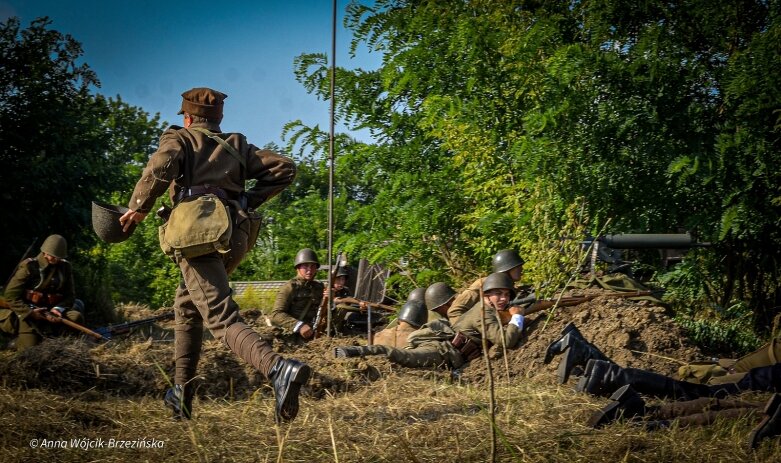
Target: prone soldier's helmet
(414, 313)
(306, 256)
(438, 295)
(55, 245)
(505, 260)
(499, 280)
(417, 294)
(343, 271)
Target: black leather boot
(180, 400)
(577, 353)
(770, 426)
(557, 347)
(288, 376)
(626, 404)
(603, 378)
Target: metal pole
(331, 173)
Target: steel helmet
(499, 280)
(343, 271)
(55, 245)
(438, 295)
(506, 260)
(414, 313)
(306, 256)
(417, 294)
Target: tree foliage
(517, 123)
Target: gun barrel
(650, 241)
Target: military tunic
(55, 283)
(465, 301)
(297, 301)
(204, 294)
(394, 337)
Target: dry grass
(397, 418)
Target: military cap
(203, 102)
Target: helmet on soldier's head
(306, 256)
(505, 260)
(414, 313)
(343, 271)
(499, 280)
(55, 245)
(438, 295)
(417, 294)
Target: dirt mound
(632, 333)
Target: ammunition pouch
(468, 347)
(42, 299)
(198, 225)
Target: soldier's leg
(206, 280)
(29, 335)
(766, 355)
(429, 354)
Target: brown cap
(203, 102)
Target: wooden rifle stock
(4, 305)
(545, 304)
(352, 300)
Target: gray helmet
(55, 245)
(438, 295)
(306, 256)
(105, 222)
(499, 280)
(417, 294)
(343, 271)
(506, 260)
(414, 313)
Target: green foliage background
(522, 124)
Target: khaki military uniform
(53, 286)
(298, 300)
(432, 344)
(204, 295)
(465, 301)
(394, 337)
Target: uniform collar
(213, 126)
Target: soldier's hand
(130, 217)
(306, 331)
(516, 310)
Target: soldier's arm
(14, 291)
(462, 303)
(279, 314)
(160, 171)
(272, 172)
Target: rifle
(352, 300)
(24, 256)
(544, 304)
(321, 320)
(53, 318)
(110, 331)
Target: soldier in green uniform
(40, 292)
(439, 344)
(412, 316)
(196, 162)
(506, 261)
(298, 300)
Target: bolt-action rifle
(352, 300)
(608, 248)
(321, 320)
(52, 317)
(123, 328)
(534, 306)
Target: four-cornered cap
(203, 102)
(55, 245)
(105, 222)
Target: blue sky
(149, 52)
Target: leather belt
(200, 190)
